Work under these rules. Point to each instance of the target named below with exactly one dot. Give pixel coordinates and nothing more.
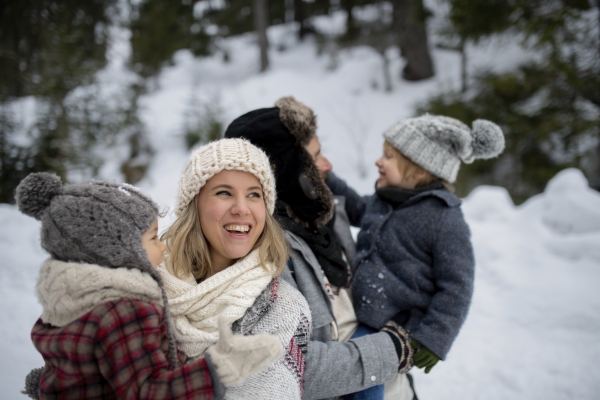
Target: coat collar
(446, 196)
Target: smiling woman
(232, 216)
(225, 252)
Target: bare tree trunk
(463, 66)
(289, 11)
(387, 78)
(260, 26)
(300, 17)
(409, 21)
(598, 5)
(351, 30)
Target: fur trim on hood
(298, 118)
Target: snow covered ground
(533, 327)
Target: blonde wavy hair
(187, 249)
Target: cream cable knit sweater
(195, 307)
(68, 290)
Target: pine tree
(549, 110)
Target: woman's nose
(378, 162)
(240, 207)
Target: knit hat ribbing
(438, 144)
(225, 154)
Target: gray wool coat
(414, 262)
(335, 368)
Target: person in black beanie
(322, 251)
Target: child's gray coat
(415, 260)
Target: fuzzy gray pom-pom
(32, 383)
(488, 139)
(35, 192)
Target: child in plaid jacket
(104, 332)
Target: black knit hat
(282, 132)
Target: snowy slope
(533, 326)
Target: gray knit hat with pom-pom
(438, 144)
(96, 222)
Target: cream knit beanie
(225, 154)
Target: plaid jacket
(116, 351)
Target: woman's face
(232, 216)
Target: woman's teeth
(237, 228)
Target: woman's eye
(255, 194)
(223, 192)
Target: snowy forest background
(121, 90)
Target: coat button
(373, 378)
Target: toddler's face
(153, 246)
(390, 173)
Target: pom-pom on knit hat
(96, 222)
(438, 144)
(225, 154)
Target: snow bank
(22, 256)
(570, 206)
(532, 329)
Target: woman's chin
(239, 251)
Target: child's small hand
(423, 358)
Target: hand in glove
(401, 340)
(424, 358)
(236, 357)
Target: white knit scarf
(68, 290)
(196, 306)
